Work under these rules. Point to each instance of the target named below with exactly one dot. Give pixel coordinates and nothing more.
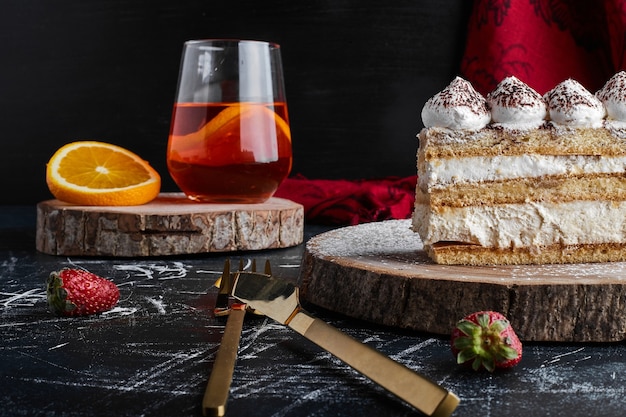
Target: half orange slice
(95, 173)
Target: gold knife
(218, 387)
(279, 300)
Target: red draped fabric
(543, 42)
(343, 202)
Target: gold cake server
(279, 300)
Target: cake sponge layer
(449, 253)
(441, 143)
(555, 189)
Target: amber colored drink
(229, 152)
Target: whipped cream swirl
(458, 106)
(613, 96)
(570, 104)
(514, 105)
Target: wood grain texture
(169, 225)
(379, 272)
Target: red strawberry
(486, 340)
(76, 292)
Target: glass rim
(233, 41)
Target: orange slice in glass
(233, 120)
(100, 174)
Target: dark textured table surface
(152, 354)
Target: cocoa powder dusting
(460, 93)
(570, 94)
(614, 89)
(511, 92)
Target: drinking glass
(230, 140)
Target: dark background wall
(357, 74)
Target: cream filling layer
(524, 225)
(441, 173)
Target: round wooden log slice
(169, 225)
(379, 272)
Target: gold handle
(417, 390)
(218, 387)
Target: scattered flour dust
(368, 239)
(27, 298)
(158, 304)
(156, 271)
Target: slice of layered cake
(516, 178)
